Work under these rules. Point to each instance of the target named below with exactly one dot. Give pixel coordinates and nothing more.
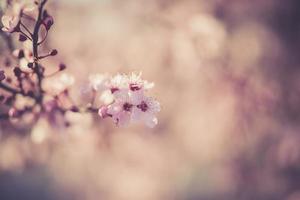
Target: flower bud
(47, 20)
(22, 38)
(30, 65)
(53, 52)
(62, 67)
(17, 71)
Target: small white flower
(136, 83)
(11, 19)
(97, 81)
(117, 83)
(10, 23)
(61, 83)
(106, 97)
(146, 110)
(121, 109)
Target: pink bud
(22, 38)
(62, 67)
(102, 112)
(53, 52)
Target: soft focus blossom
(10, 23)
(146, 110)
(62, 82)
(11, 19)
(97, 81)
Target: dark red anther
(143, 106)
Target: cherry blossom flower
(97, 81)
(146, 110)
(47, 20)
(121, 109)
(136, 83)
(11, 19)
(10, 23)
(61, 83)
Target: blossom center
(114, 89)
(127, 107)
(143, 106)
(134, 86)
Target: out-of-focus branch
(35, 44)
(9, 88)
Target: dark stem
(9, 88)
(29, 38)
(35, 44)
(12, 90)
(4, 116)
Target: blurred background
(226, 73)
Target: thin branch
(29, 38)
(28, 31)
(28, 17)
(35, 40)
(8, 88)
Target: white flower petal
(151, 121)
(5, 20)
(137, 114)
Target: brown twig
(35, 44)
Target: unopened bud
(30, 65)
(17, 71)
(62, 67)
(53, 52)
(47, 20)
(22, 38)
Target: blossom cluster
(124, 97)
(129, 102)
